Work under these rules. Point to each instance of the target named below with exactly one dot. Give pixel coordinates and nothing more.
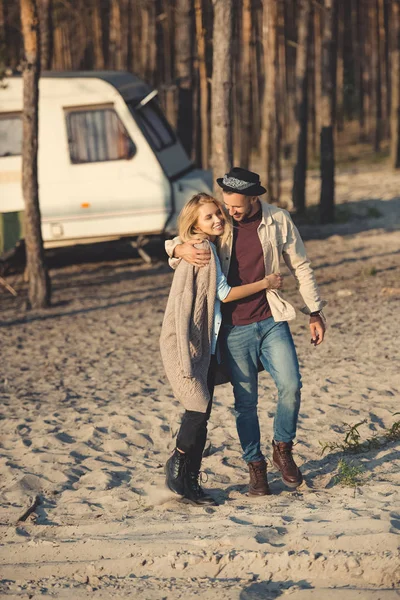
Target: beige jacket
(279, 239)
(185, 340)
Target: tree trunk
(340, 68)
(3, 39)
(221, 114)
(39, 282)
(245, 86)
(46, 34)
(97, 30)
(149, 46)
(395, 86)
(116, 32)
(301, 108)
(203, 83)
(183, 72)
(375, 76)
(327, 198)
(271, 130)
(318, 18)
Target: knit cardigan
(185, 340)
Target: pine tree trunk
(375, 76)
(256, 76)
(116, 47)
(245, 86)
(327, 198)
(46, 31)
(39, 282)
(340, 68)
(395, 86)
(149, 46)
(97, 30)
(203, 83)
(317, 57)
(312, 66)
(271, 131)
(221, 114)
(183, 71)
(3, 39)
(301, 108)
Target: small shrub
(348, 474)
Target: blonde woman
(189, 337)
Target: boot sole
(258, 495)
(193, 503)
(290, 484)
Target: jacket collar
(266, 213)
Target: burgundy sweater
(247, 266)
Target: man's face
(239, 206)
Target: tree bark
(395, 86)
(327, 198)
(246, 87)
(46, 34)
(301, 107)
(3, 39)
(271, 131)
(39, 282)
(203, 83)
(184, 72)
(340, 68)
(97, 30)
(221, 114)
(149, 46)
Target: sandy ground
(88, 421)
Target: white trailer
(110, 165)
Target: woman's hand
(274, 281)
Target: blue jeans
(243, 347)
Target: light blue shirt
(223, 290)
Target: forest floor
(88, 421)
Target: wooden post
(39, 282)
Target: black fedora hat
(241, 181)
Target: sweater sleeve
(170, 246)
(223, 288)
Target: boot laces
(196, 478)
(259, 472)
(180, 464)
(286, 456)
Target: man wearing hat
(255, 332)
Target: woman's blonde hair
(190, 212)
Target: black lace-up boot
(194, 492)
(175, 470)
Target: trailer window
(97, 135)
(10, 135)
(154, 125)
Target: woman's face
(210, 220)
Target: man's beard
(247, 213)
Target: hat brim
(254, 190)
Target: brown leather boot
(283, 460)
(258, 479)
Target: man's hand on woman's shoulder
(192, 255)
